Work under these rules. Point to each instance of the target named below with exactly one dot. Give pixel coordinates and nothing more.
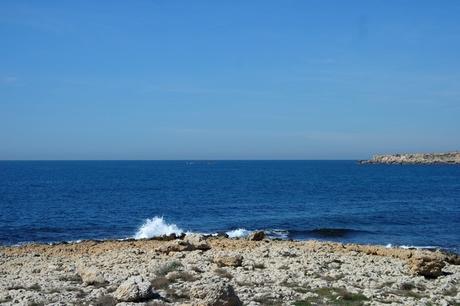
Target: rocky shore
(198, 270)
(416, 158)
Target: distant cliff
(415, 158)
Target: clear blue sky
(228, 79)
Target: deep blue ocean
(52, 201)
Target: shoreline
(199, 270)
(429, 248)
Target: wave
(417, 247)
(157, 227)
(238, 233)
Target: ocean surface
(52, 201)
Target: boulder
(172, 236)
(228, 260)
(90, 275)
(215, 293)
(176, 246)
(134, 289)
(197, 241)
(257, 236)
(427, 266)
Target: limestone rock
(426, 266)
(257, 236)
(176, 246)
(216, 293)
(228, 260)
(134, 289)
(197, 241)
(90, 275)
(415, 158)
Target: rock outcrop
(416, 158)
(90, 275)
(217, 292)
(134, 289)
(228, 260)
(428, 266)
(217, 271)
(257, 236)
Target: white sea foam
(417, 247)
(277, 233)
(389, 245)
(238, 233)
(156, 227)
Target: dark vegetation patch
(267, 300)
(73, 278)
(103, 300)
(160, 282)
(182, 275)
(223, 273)
(176, 295)
(334, 296)
(168, 267)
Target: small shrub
(168, 267)
(160, 282)
(104, 300)
(35, 287)
(223, 273)
(406, 286)
(74, 278)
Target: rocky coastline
(415, 158)
(218, 271)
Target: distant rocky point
(415, 158)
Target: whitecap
(238, 233)
(156, 227)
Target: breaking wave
(156, 227)
(417, 247)
(238, 233)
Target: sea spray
(238, 233)
(156, 227)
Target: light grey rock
(216, 293)
(90, 275)
(228, 260)
(197, 241)
(415, 158)
(176, 246)
(134, 289)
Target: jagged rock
(228, 260)
(176, 246)
(197, 241)
(172, 236)
(90, 275)
(134, 289)
(426, 266)
(257, 236)
(215, 293)
(222, 235)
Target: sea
(391, 205)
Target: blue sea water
(50, 201)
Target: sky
(236, 79)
